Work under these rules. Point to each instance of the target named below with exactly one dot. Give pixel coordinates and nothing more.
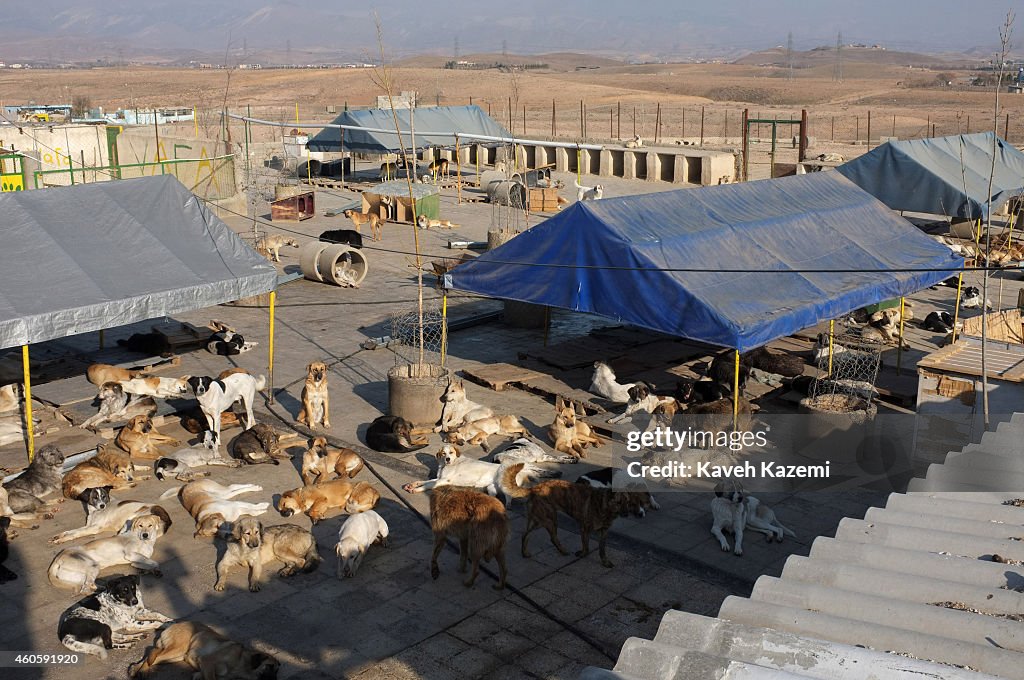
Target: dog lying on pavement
(207, 652)
(320, 460)
(112, 618)
(458, 408)
(317, 499)
(733, 510)
(253, 545)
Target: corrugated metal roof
(910, 591)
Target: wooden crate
(298, 207)
(544, 199)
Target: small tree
(80, 105)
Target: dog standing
(618, 480)
(479, 523)
(585, 193)
(359, 219)
(320, 460)
(253, 545)
(207, 652)
(112, 618)
(439, 168)
(272, 244)
(217, 396)
(316, 403)
(317, 499)
(355, 537)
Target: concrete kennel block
(653, 166)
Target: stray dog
(424, 222)
(210, 503)
(733, 510)
(593, 509)
(24, 518)
(117, 405)
(786, 365)
(226, 341)
(349, 237)
(316, 499)
(938, 322)
(258, 444)
(700, 391)
(355, 537)
(181, 462)
(618, 480)
(217, 396)
(112, 618)
(439, 168)
(393, 434)
(103, 517)
(523, 450)
(569, 435)
(478, 522)
(316, 403)
(165, 388)
(634, 143)
(456, 470)
(971, 299)
(98, 374)
(272, 244)
(723, 370)
(479, 431)
(108, 468)
(210, 654)
(41, 478)
(458, 408)
(585, 193)
(641, 400)
(195, 422)
(5, 573)
(253, 545)
(319, 461)
(10, 397)
(141, 440)
(388, 170)
(78, 567)
(150, 344)
(359, 219)
(604, 384)
(12, 428)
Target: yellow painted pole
(195, 120)
(458, 170)
(28, 404)
(831, 336)
(956, 309)
(899, 347)
(736, 393)
(478, 166)
(444, 326)
(579, 169)
(296, 113)
(270, 358)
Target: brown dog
(108, 467)
(359, 219)
(141, 440)
(319, 461)
(480, 431)
(207, 652)
(98, 374)
(316, 404)
(439, 168)
(477, 520)
(593, 509)
(317, 499)
(254, 545)
(569, 435)
(232, 371)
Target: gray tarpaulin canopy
(94, 256)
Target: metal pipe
(270, 350)
(956, 309)
(831, 336)
(444, 326)
(28, 403)
(736, 393)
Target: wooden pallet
(500, 376)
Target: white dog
(181, 462)
(78, 567)
(733, 510)
(454, 470)
(634, 143)
(356, 536)
(216, 396)
(164, 388)
(641, 400)
(605, 384)
(211, 506)
(523, 450)
(585, 193)
(113, 518)
(458, 408)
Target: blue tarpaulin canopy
(656, 260)
(940, 176)
(436, 126)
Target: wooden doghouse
(297, 207)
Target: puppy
(593, 509)
(181, 462)
(141, 440)
(103, 517)
(439, 168)
(165, 388)
(359, 219)
(41, 478)
(150, 344)
(207, 652)
(479, 431)
(217, 396)
(458, 408)
(98, 374)
(355, 537)
(272, 244)
(424, 222)
(604, 384)
(258, 444)
(317, 499)
(585, 193)
(393, 434)
(523, 450)
(252, 545)
(109, 467)
(349, 237)
(78, 567)
(319, 461)
(5, 573)
(569, 435)
(315, 400)
(210, 504)
(112, 618)
(617, 479)
(478, 522)
(117, 405)
(10, 397)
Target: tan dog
(141, 440)
(231, 371)
(316, 404)
(271, 244)
(253, 545)
(424, 222)
(10, 397)
(210, 654)
(439, 168)
(211, 506)
(319, 461)
(569, 435)
(108, 467)
(478, 521)
(359, 219)
(317, 499)
(165, 388)
(479, 431)
(98, 374)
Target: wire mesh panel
(852, 370)
(409, 334)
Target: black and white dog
(938, 322)
(112, 618)
(216, 396)
(970, 298)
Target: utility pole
(837, 71)
(789, 54)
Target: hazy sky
(637, 27)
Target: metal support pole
(195, 120)
(458, 170)
(547, 324)
(579, 167)
(270, 350)
(736, 393)
(746, 144)
(956, 309)
(444, 326)
(899, 347)
(804, 136)
(702, 126)
(831, 339)
(29, 427)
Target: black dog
(938, 322)
(150, 344)
(723, 369)
(700, 391)
(349, 237)
(392, 434)
(113, 618)
(5, 573)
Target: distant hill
(871, 55)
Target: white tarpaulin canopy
(94, 256)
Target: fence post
(833, 128)
(869, 128)
(1006, 128)
(894, 125)
(857, 134)
(702, 126)
(582, 131)
(657, 124)
(553, 126)
(726, 138)
(618, 118)
(684, 123)
(634, 121)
